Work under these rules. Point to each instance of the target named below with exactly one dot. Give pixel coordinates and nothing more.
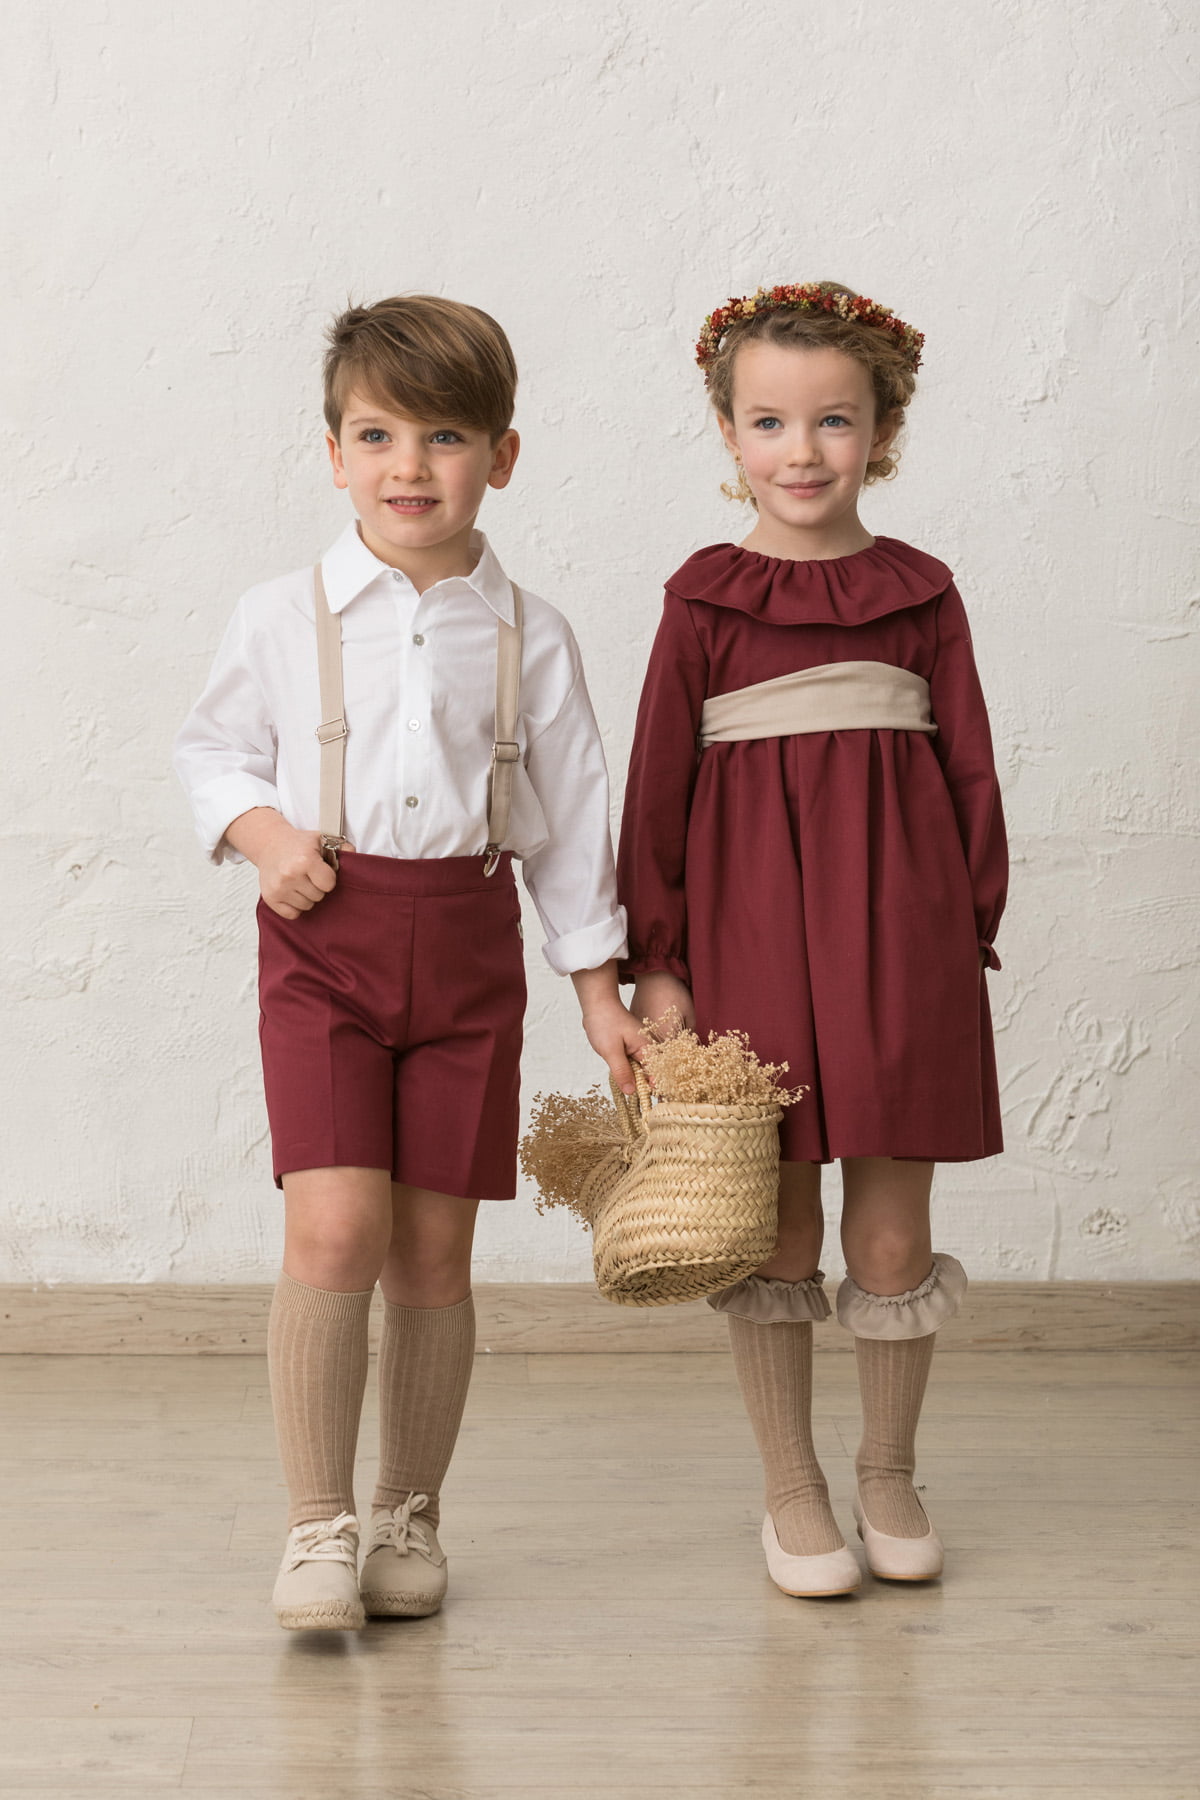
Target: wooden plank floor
(611, 1633)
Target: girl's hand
(657, 992)
(610, 1028)
(292, 874)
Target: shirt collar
(348, 568)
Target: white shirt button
(412, 801)
(418, 640)
(397, 575)
(414, 724)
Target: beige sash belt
(843, 696)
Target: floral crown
(807, 297)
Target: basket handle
(633, 1110)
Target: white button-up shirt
(420, 684)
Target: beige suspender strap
(506, 752)
(331, 733)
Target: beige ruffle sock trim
(769, 1302)
(425, 1358)
(912, 1315)
(774, 1369)
(317, 1363)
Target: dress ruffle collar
(845, 590)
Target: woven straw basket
(687, 1203)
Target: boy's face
(415, 483)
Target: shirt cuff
(588, 948)
(219, 802)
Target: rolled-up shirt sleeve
(225, 751)
(571, 879)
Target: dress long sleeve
(662, 776)
(964, 748)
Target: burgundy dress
(829, 892)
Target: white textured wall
(193, 190)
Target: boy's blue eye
(446, 437)
(373, 435)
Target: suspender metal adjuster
(506, 753)
(332, 730)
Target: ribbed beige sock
(892, 1374)
(425, 1360)
(774, 1367)
(317, 1360)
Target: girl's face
(804, 427)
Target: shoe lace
(401, 1531)
(324, 1540)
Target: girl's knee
(889, 1265)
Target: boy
(392, 984)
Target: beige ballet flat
(896, 1558)
(809, 1577)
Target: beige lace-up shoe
(317, 1585)
(404, 1575)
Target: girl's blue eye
(834, 419)
(765, 424)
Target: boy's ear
(504, 458)
(335, 458)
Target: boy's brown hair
(425, 357)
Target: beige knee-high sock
(774, 1368)
(317, 1360)
(425, 1359)
(892, 1374)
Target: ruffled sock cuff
(916, 1314)
(766, 1301)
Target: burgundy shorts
(390, 1022)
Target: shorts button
(412, 801)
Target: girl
(827, 874)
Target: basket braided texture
(687, 1203)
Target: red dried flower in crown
(807, 297)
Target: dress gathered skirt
(834, 893)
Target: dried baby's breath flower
(569, 1134)
(722, 1071)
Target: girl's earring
(739, 489)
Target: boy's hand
(292, 873)
(610, 1028)
(657, 992)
